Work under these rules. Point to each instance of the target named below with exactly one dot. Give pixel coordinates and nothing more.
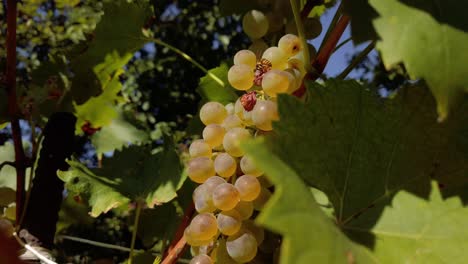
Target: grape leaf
(413, 230)
(8, 173)
(308, 235)
(130, 175)
(7, 196)
(360, 149)
(117, 134)
(211, 90)
(126, 37)
(361, 13)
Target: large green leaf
(8, 173)
(308, 234)
(211, 90)
(130, 175)
(361, 13)
(413, 230)
(117, 134)
(119, 32)
(360, 149)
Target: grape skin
(200, 169)
(199, 148)
(225, 197)
(225, 165)
(202, 199)
(201, 259)
(241, 77)
(248, 186)
(188, 235)
(231, 121)
(203, 226)
(277, 57)
(248, 167)
(245, 57)
(232, 140)
(213, 135)
(245, 209)
(242, 247)
(229, 222)
(255, 24)
(264, 113)
(290, 44)
(275, 82)
(212, 113)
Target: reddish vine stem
(20, 158)
(174, 250)
(309, 5)
(330, 43)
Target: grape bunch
(232, 188)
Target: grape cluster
(231, 186)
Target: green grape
(298, 76)
(212, 113)
(257, 231)
(229, 108)
(242, 247)
(199, 148)
(245, 57)
(277, 57)
(248, 167)
(262, 199)
(258, 46)
(248, 187)
(204, 226)
(200, 169)
(213, 135)
(212, 182)
(275, 21)
(225, 165)
(191, 240)
(229, 222)
(264, 113)
(299, 58)
(283, 7)
(241, 77)
(201, 259)
(275, 82)
(225, 197)
(232, 140)
(245, 209)
(290, 44)
(202, 199)
(232, 121)
(255, 24)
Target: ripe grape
(255, 24)
(225, 196)
(290, 44)
(229, 108)
(275, 82)
(258, 46)
(298, 75)
(212, 113)
(231, 121)
(257, 231)
(242, 247)
(262, 199)
(264, 113)
(213, 134)
(241, 77)
(191, 240)
(248, 187)
(202, 199)
(229, 222)
(245, 209)
(245, 57)
(248, 167)
(276, 56)
(201, 259)
(212, 182)
(232, 140)
(199, 148)
(203, 226)
(200, 169)
(225, 165)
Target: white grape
(248, 186)
(255, 24)
(245, 57)
(229, 222)
(264, 113)
(212, 113)
(241, 77)
(200, 169)
(192, 240)
(276, 81)
(213, 134)
(233, 139)
(248, 167)
(231, 121)
(245, 209)
(225, 165)
(202, 199)
(225, 196)
(242, 247)
(277, 57)
(290, 44)
(204, 226)
(199, 148)
(201, 259)
(229, 108)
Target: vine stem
(178, 243)
(300, 31)
(33, 251)
(188, 58)
(357, 60)
(135, 230)
(20, 158)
